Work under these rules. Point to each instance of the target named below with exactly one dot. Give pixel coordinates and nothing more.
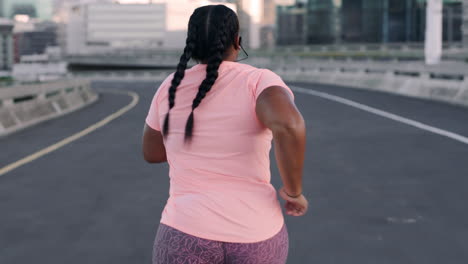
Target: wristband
(291, 195)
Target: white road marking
(385, 114)
(61, 143)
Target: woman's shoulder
(164, 84)
(260, 74)
(254, 71)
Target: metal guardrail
(445, 70)
(394, 52)
(404, 46)
(450, 71)
(394, 72)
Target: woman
(215, 132)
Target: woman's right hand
(294, 206)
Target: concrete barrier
(26, 105)
(443, 83)
(426, 85)
(124, 76)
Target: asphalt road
(380, 191)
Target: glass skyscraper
(291, 22)
(36, 8)
(377, 21)
(323, 21)
(465, 24)
(1, 8)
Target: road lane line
(61, 143)
(382, 113)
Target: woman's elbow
(290, 126)
(154, 158)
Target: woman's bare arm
(154, 150)
(275, 108)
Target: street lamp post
(433, 36)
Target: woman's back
(214, 125)
(220, 182)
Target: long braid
(180, 73)
(214, 61)
(211, 31)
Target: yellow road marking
(61, 143)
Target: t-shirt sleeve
(152, 119)
(267, 79)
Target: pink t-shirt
(220, 184)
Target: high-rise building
(465, 24)
(268, 24)
(6, 45)
(452, 21)
(178, 15)
(35, 39)
(62, 9)
(390, 21)
(36, 8)
(2, 8)
(59, 5)
(96, 27)
(88, 26)
(379, 21)
(257, 22)
(285, 2)
(324, 25)
(291, 24)
(23, 9)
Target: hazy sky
(146, 1)
(138, 1)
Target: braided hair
(211, 31)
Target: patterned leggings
(172, 246)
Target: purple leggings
(173, 246)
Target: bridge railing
(33, 91)
(441, 84)
(365, 47)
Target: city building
(41, 67)
(257, 22)
(2, 8)
(178, 15)
(96, 27)
(323, 21)
(268, 25)
(285, 2)
(125, 25)
(291, 24)
(41, 9)
(59, 7)
(465, 24)
(453, 21)
(33, 38)
(62, 11)
(6, 46)
(377, 21)
(88, 27)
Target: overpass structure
(358, 52)
(136, 61)
(446, 82)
